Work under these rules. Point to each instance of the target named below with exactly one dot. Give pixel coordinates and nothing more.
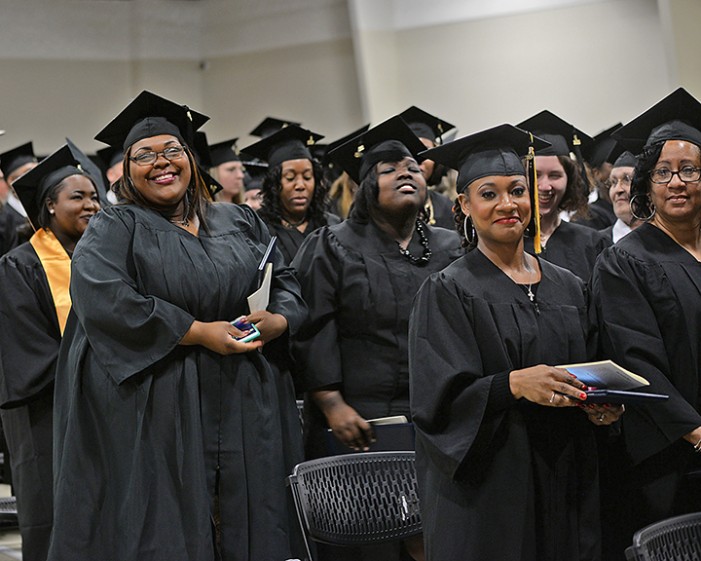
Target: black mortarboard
(562, 136)
(200, 150)
(150, 115)
(425, 125)
(110, 156)
(16, 158)
(676, 117)
(271, 125)
(90, 167)
(254, 175)
(391, 140)
(33, 186)
(626, 159)
(331, 146)
(290, 143)
(495, 151)
(601, 148)
(223, 152)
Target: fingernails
(582, 396)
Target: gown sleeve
(127, 330)
(29, 333)
(315, 347)
(630, 335)
(457, 409)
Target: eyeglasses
(148, 158)
(625, 180)
(687, 174)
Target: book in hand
(259, 300)
(392, 434)
(610, 383)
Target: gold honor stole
(57, 266)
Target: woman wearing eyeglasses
(169, 429)
(646, 292)
(618, 184)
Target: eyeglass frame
(626, 180)
(677, 173)
(180, 149)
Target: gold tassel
(533, 181)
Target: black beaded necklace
(426, 257)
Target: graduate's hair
(197, 193)
(44, 217)
(575, 198)
(640, 204)
(342, 191)
(271, 207)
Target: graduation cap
(16, 158)
(676, 117)
(254, 174)
(200, 150)
(391, 140)
(425, 125)
(290, 143)
(601, 148)
(223, 152)
(496, 151)
(562, 136)
(271, 125)
(33, 186)
(331, 146)
(150, 115)
(625, 160)
(91, 168)
(110, 156)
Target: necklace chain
(423, 240)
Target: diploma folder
(392, 434)
(610, 383)
(259, 300)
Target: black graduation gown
(573, 247)
(442, 211)
(499, 478)
(8, 231)
(601, 215)
(146, 429)
(30, 339)
(359, 289)
(646, 290)
(289, 240)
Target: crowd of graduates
(415, 272)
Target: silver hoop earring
(650, 205)
(470, 239)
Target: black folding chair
(673, 539)
(357, 499)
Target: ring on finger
(552, 397)
(601, 417)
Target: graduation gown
(8, 231)
(30, 339)
(359, 289)
(573, 247)
(646, 290)
(499, 478)
(441, 211)
(146, 429)
(601, 215)
(289, 240)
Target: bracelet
(697, 447)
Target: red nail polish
(582, 396)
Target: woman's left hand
(270, 325)
(603, 415)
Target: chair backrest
(673, 539)
(358, 499)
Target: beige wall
(592, 64)
(315, 84)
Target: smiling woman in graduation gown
(59, 199)
(506, 463)
(647, 292)
(165, 424)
